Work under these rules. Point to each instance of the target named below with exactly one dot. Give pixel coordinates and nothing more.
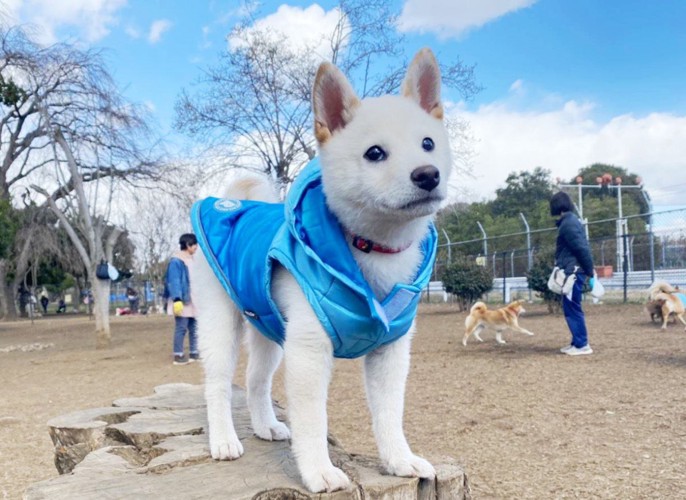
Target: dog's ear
(333, 101)
(423, 83)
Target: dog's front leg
(519, 329)
(386, 371)
(220, 329)
(308, 356)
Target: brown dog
(673, 301)
(500, 319)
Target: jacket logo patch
(227, 205)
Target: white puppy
(384, 166)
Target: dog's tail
(472, 321)
(658, 287)
(258, 188)
(478, 306)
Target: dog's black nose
(426, 177)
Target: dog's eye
(375, 153)
(428, 144)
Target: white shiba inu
(384, 168)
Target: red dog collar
(368, 246)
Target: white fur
(378, 201)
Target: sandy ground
(524, 420)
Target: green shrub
(467, 281)
(538, 280)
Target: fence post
(483, 232)
(448, 239)
(646, 197)
(529, 254)
(504, 278)
(652, 252)
(625, 263)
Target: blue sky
(566, 83)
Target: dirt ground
(524, 420)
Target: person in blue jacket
(573, 255)
(177, 293)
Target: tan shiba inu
(501, 319)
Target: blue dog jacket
(242, 240)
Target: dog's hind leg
(386, 371)
(468, 329)
(665, 316)
(265, 356)
(308, 353)
(220, 328)
(499, 336)
(477, 332)
(681, 318)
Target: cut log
(156, 446)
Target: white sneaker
(566, 348)
(579, 351)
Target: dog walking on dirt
(669, 299)
(335, 271)
(506, 317)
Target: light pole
(606, 181)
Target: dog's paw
(500, 341)
(411, 466)
(326, 479)
(229, 449)
(275, 432)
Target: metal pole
(625, 264)
(581, 204)
(483, 232)
(504, 278)
(529, 254)
(448, 238)
(651, 235)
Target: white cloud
(517, 86)
(91, 18)
(306, 29)
(132, 32)
(448, 18)
(157, 28)
(568, 138)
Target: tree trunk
(101, 310)
(8, 309)
(156, 447)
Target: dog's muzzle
(426, 177)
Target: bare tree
(257, 98)
(67, 133)
(160, 223)
(83, 214)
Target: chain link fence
(629, 254)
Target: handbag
(598, 289)
(559, 282)
(102, 270)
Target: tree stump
(156, 446)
